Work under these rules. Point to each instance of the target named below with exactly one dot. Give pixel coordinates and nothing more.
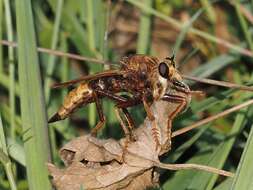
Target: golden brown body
(75, 98)
(145, 78)
(142, 65)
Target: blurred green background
(211, 39)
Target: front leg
(155, 130)
(182, 102)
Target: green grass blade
(34, 120)
(50, 69)
(172, 158)
(3, 145)
(225, 185)
(180, 150)
(202, 180)
(102, 24)
(182, 179)
(52, 58)
(238, 124)
(102, 30)
(11, 61)
(217, 160)
(185, 29)
(1, 35)
(10, 175)
(244, 173)
(4, 158)
(4, 81)
(144, 34)
(245, 164)
(244, 25)
(92, 46)
(214, 65)
(189, 56)
(90, 25)
(16, 151)
(5, 111)
(209, 10)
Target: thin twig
(62, 54)
(194, 166)
(211, 118)
(218, 83)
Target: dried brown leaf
(94, 163)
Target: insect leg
(100, 115)
(122, 124)
(121, 106)
(182, 103)
(111, 96)
(155, 130)
(128, 130)
(129, 119)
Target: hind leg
(122, 103)
(101, 116)
(128, 129)
(121, 107)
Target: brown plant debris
(93, 163)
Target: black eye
(164, 70)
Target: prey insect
(144, 78)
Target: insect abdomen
(76, 98)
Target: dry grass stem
(219, 83)
(211, 118)
(61, 54)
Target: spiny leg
(122, 124)
(182, 103)
(129, 128)
(101, 116)
(155, 130)
(122, 103)
(129, 119)
(123, 108)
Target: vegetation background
(209, 38)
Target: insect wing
(107, 73)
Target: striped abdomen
(76, 98)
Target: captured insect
(145, 78)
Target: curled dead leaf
(93, 163)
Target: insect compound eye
(164, 70)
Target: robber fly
(144, 78)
